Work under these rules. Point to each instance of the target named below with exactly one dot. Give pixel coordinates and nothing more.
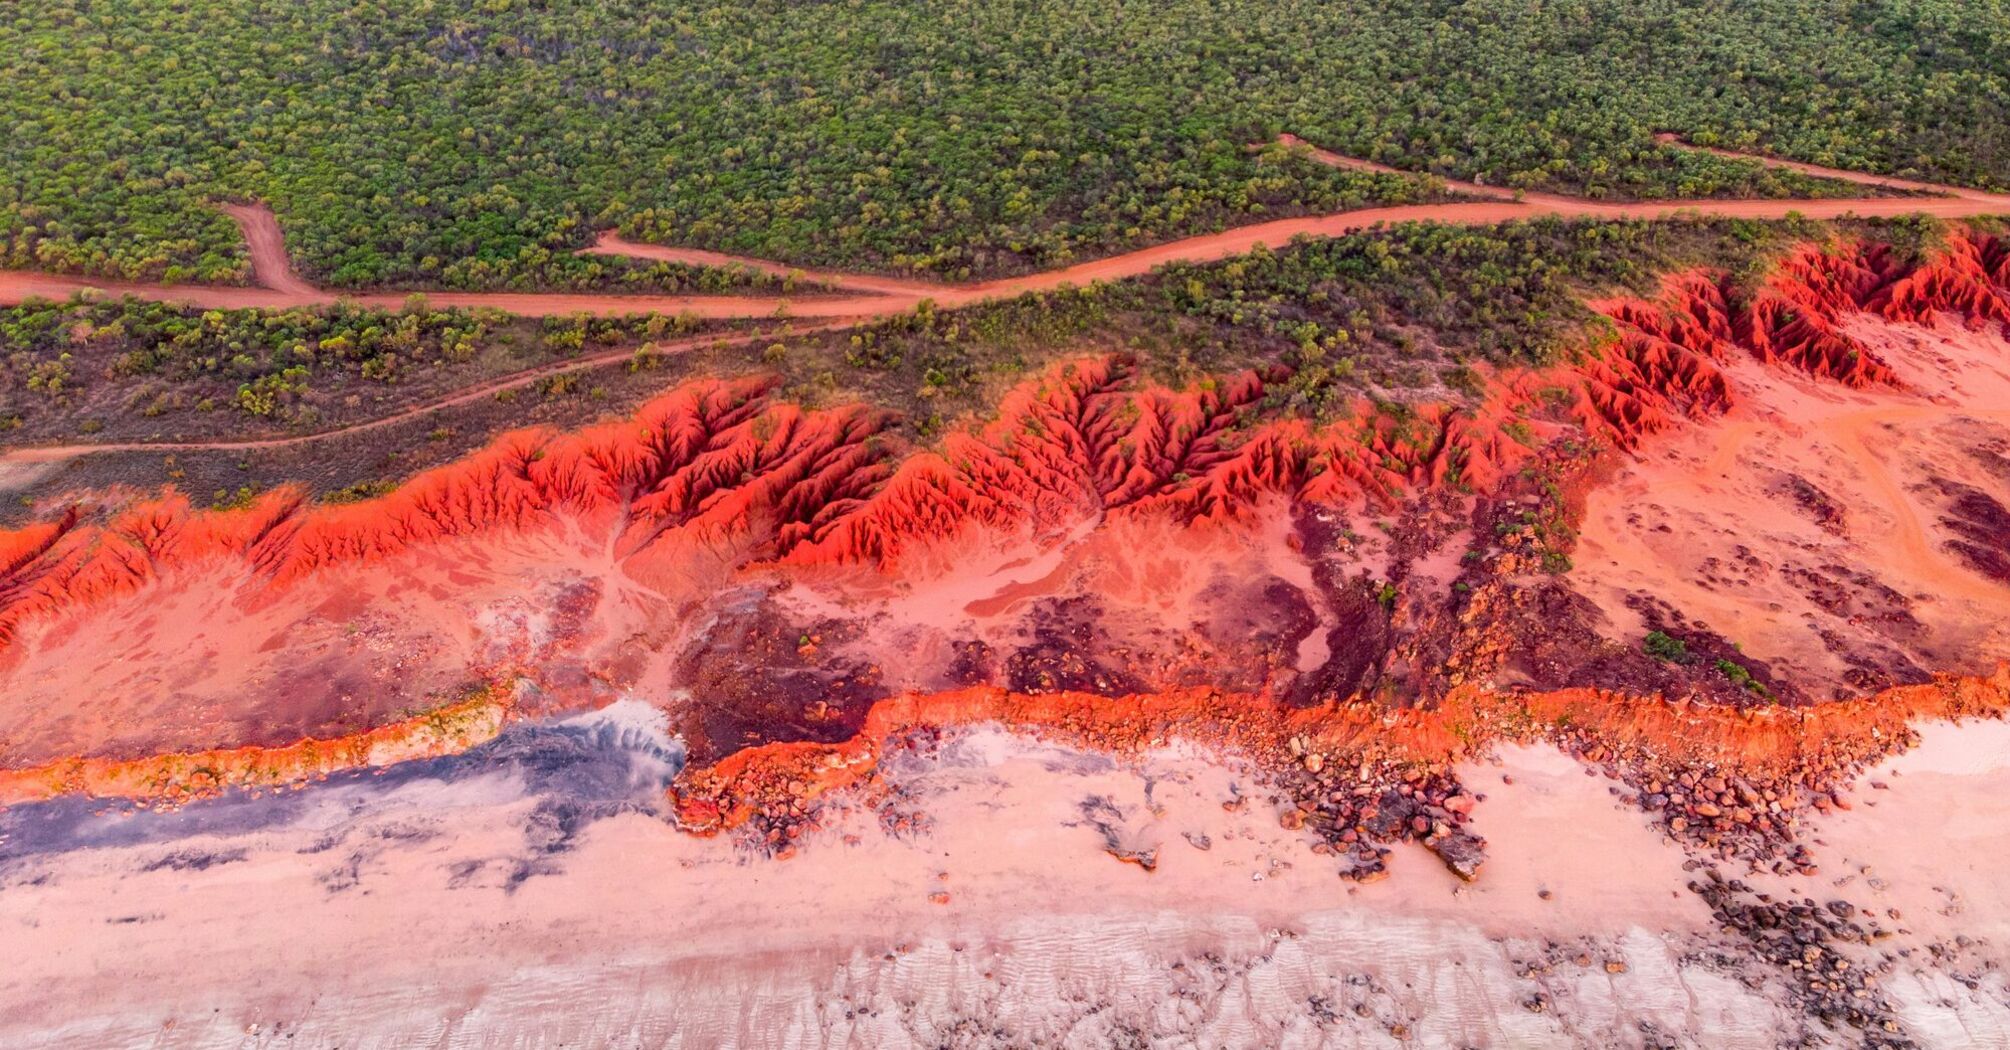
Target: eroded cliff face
(1796, 492)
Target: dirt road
(877, 296)
(271, 267)
(512, 381)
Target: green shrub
(1665, 648)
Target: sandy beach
(482, 901)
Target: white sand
(395, 929)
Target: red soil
(1970, 275)
(708, 455)
(801, 486)
(772, 487)
(1811, 746)
(1797, 317)
(271, 267)
(822, 486)
(174, 778)
(1815, 522)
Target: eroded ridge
(173, 778)
(1725, 776)
(708, 456)
(1796, 318)
(719, 459)
(787, 565)
(1083, 441)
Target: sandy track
(280, 288)
(271, 267)
(512, 381)
(611, 243)
(17, 286)
(1338, 160)
(1839, 174)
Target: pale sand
(1925, 837)
(380, 919)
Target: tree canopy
(474, 143)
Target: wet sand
(433, 910)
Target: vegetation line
(513, 381)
